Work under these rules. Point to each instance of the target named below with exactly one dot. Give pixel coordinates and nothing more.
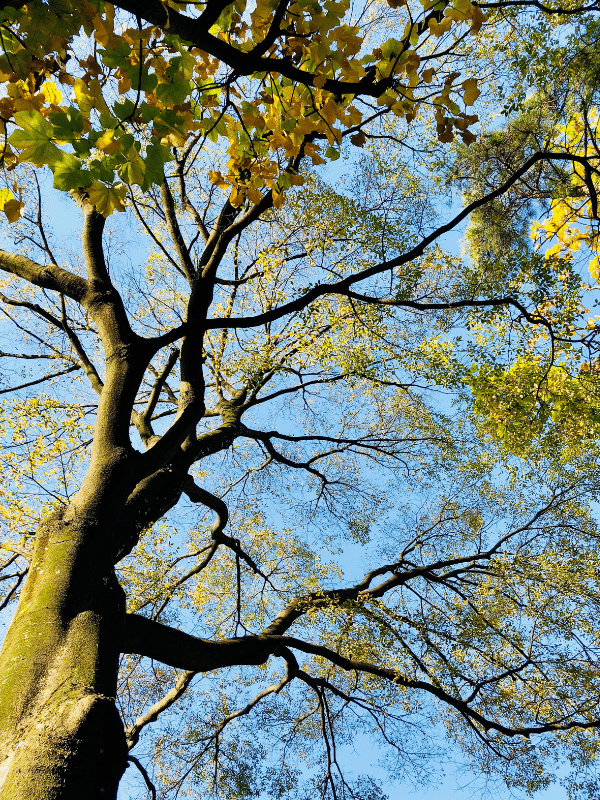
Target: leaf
(5, 196)
(34, 138)
(140, 78)
(471, 92)
(117, 57)
(13, 210)
(100, 170)
(69, 174)
(10, 205)
(132, 171)
(223, 20)
(51, 93)
(88, 98)
(124, 108)
(156, 157)
(107, 199)
(67, 124)
(107, 142)
(173, 94)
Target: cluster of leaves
(109, 122)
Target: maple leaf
(107, 198)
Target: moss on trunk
(60, 732)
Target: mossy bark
(60, 733)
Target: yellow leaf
(236, 198)
(107, 198)
(478, 18)
(438, 29)
(51, 93)
(13, 210)
(89, 97)
(253, 194)
(218, 179)
(471, 92)
(107, 142)
(5, 196)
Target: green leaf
(69, 174)
(148, 81)
(133, 169)
(332, 154)
(173, 94)
(223, 20)
(34, 138)
(117, 57)
(82, 147)
(108, 121)
(391, 48)
(101, 170)
(67, 125)
(124, 108)
(149, 113)
(157, 156)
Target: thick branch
(399, 576)
(178, 649)
(175, 232)
(196, 31)
(47, 277)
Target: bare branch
(181, 684)
(150, 786)
(342, 286)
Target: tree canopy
(285, 468)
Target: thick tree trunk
(60, 733)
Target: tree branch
(458, 703)
(144, 773)
(342, 286)
(41, 380)
(175, 232)
(177, 649)
(49, 277)
(181, 684)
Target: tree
(304, 322)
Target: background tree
(305, 323)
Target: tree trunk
(60, 733)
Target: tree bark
(60, 733)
